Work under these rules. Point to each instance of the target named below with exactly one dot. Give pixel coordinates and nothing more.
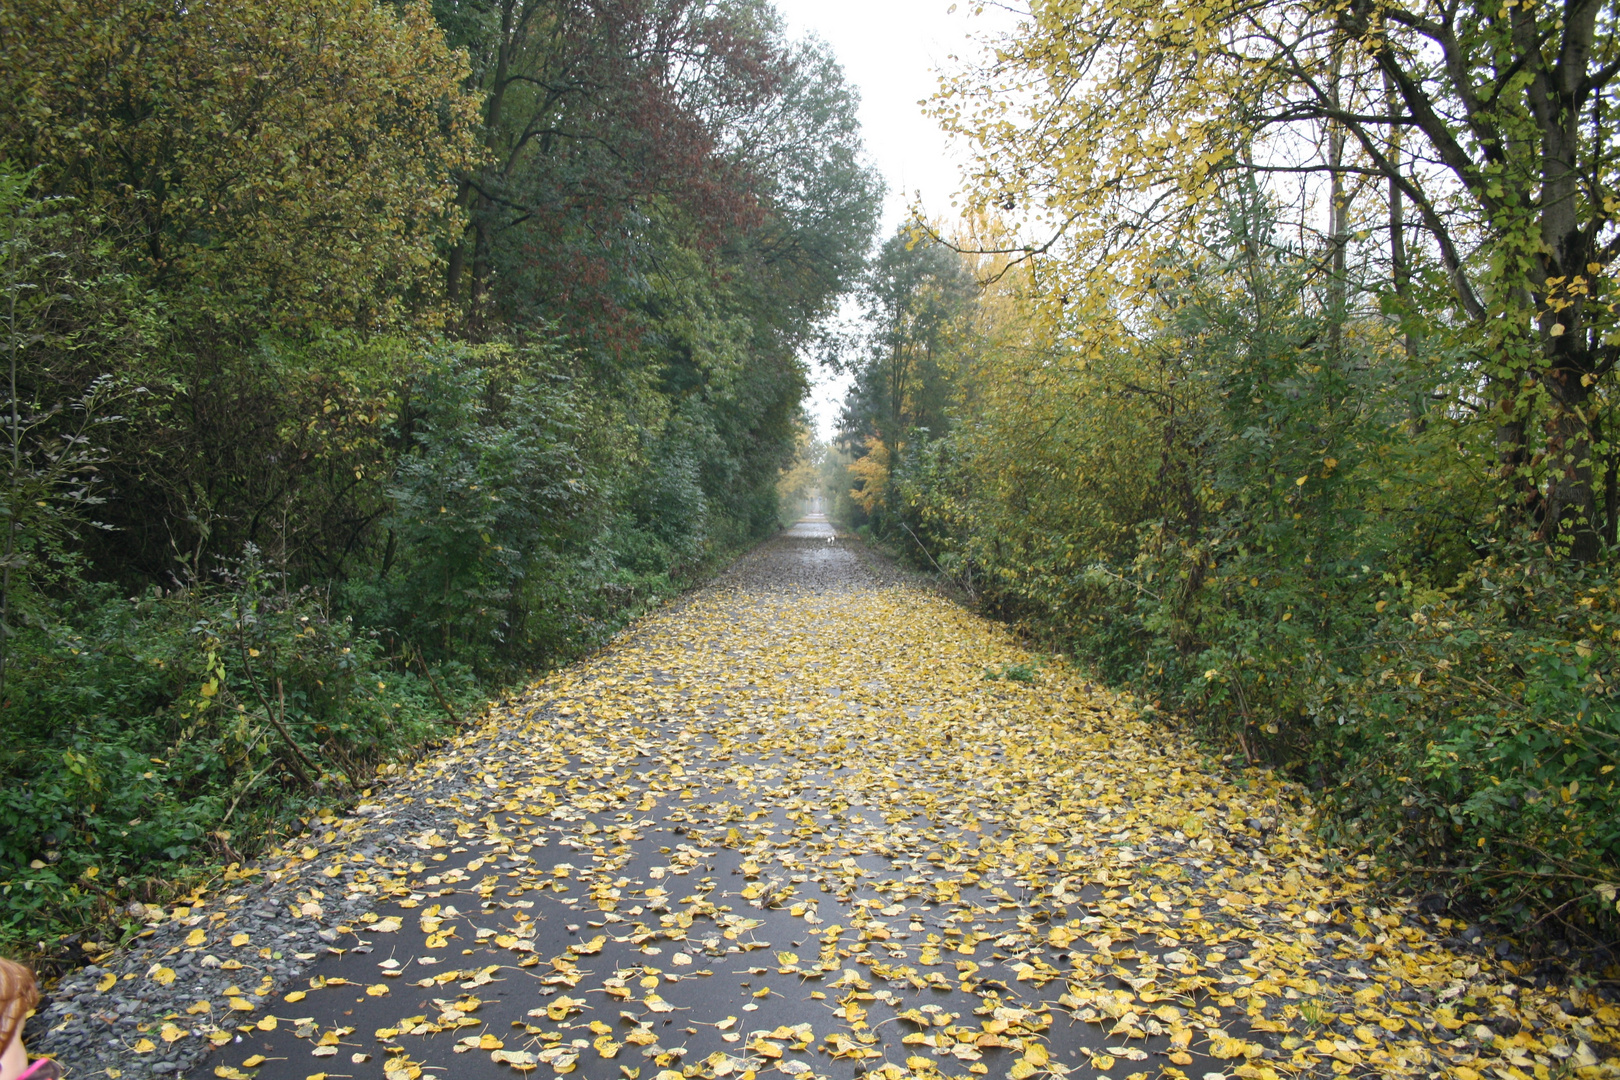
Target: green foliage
(1246, 510)
(146, 733)
(60, 302)
(489, 474)
(917, 294)
(918, 297)
(377, 380)
(1024, 673)
(1485, 731)
(285, 162)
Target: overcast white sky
(891, 51)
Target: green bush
(489, 479)
(145, 733)
(1251, 518)
(1484, 733)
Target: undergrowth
(156, 739)
(1285, 522)
(156, 733)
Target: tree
(917, 295)
(800, 483)
(1485, 131)
(283, 162)
(617, 127)
(592, 111)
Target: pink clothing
(43, 1069)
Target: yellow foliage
(288, 158)
(801, 480)
(871, 472)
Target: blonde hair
(18, 996)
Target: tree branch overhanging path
(821, 821)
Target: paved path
(816, 821)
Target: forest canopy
(1285, 394)
(365, 357)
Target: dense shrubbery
(343, 399)
(1291, 403)
(145, 733)
(1268, 528)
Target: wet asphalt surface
(701, 958)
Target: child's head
(18, 996)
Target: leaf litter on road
(797, 830)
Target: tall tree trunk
(1338, 220)
(456, 264)
(1571, 511)
(1553, 93)
(1611, 492)
(469, 198)
(1400, 267)
(1611, 500)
